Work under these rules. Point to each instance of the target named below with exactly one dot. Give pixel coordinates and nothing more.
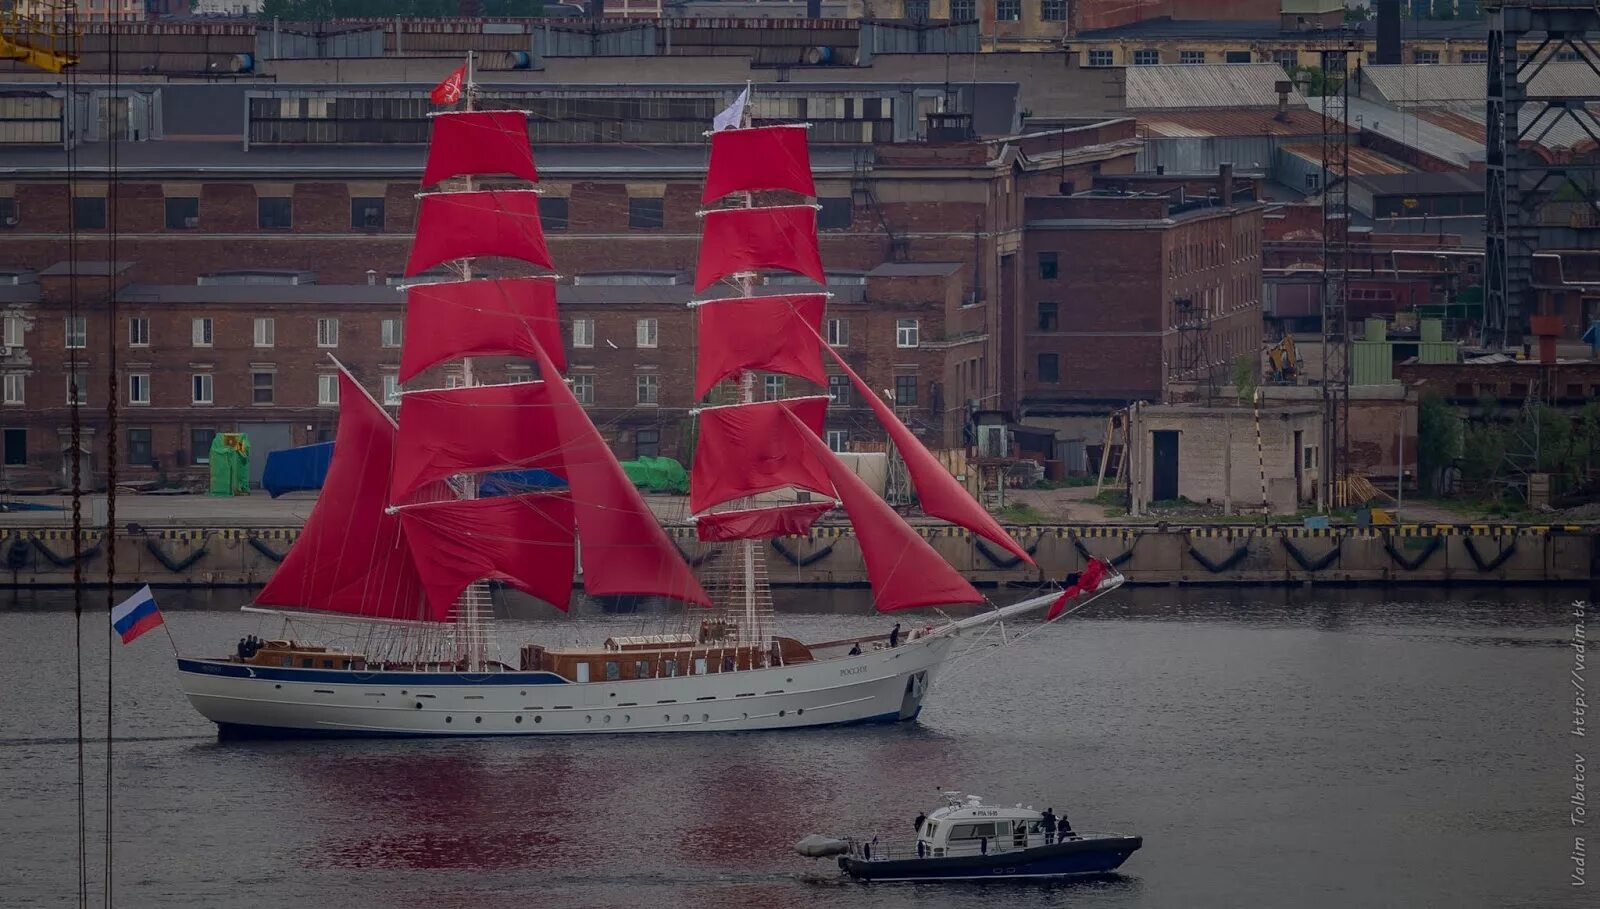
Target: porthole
(449, 719)
(587, 718)
(790, 681)
(608, 718)
(666, 718)
(519, 719)
(538, 719)
(403, 692)
(745, 716)
(419, 705)
(277, 686)
(799, 711)
(613, 694)
(705, 717)
(627, 718)
(477, 719)
(780, 713)
(686, 718)
(524, 694)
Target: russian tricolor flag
(136, 615)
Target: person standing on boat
(1064, 827)
(894, 635)
(918, 822)
(1048, 821)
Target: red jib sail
(774, 334)
(762, 158)
(526, 541)
(448, 431)
(453, 226)
(903, 569)
(498, 317)
(737, 240)
(940, 494)
(746, 449)
(350, 557)
(479, 142)
(760, 523)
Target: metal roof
(1362, 160)
(1406, 128)
(1185, 87)
(1244, 30)
(1208, 124)
(1430, 84)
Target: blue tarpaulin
(512, 482)
(296, 469)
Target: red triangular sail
(761, 158)
(940, 494)
(526, 541)
(746, 449)
(463, 430)
(760, 523)
(736, 240)
(479, 142)
(498, 317)
(903, 569)
(773, 334)
(453, 226)
(350, 557)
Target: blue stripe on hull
(362, 677)
(997, 867)
(242, 732)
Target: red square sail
(745, 449)
(760, 523)
(498, 317)
(735, 240)
(454, 226)
(762, 158)
(775, 334)
(467, 430)
(526, 541)
(479, 142)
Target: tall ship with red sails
(401, 546)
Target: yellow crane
(1284, 362)
(37, 33)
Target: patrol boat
(967, 840)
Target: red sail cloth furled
(479, 142)
(940, 494)
(760, 523)
(464, 430)
(903, 569)
(745, 449)
(735, 240)
(526, 541)
(498, 317)
(624, 549)
(761, 158)
(774, 334)
(454, 226)
(350, 557)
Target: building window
(582, 332)
(261, 385)
(963, 10)
(183, 213)
(646, 389)
(140, 453)
(328, 390)
(1053, 10)
(1008, 10)
(839, 332)
(8, 212)
(453, 380)
(1049, 367)
(647, 443)
(200, 444)
(77, 332)
(1474, 56)
(77, 389)
(391, 390)
(553, 212)
(1287, 59)
(645, 213)
(366, 213)
(200, 332)
(13, 332)
(138, 332)
(645, 332)
(327, 332)
(1049, 317)
(1425, 56)
(1049, 266)
(1192, 57)
(905, 391)
(917, 10)
(907, 333)
(16, 447)
(835, 213)
(139, 388)
(1147, 57)
(839, 390)
(1099, 58)
(583, 389)
(202, 388)
(1236, 57)
(89, 213)
(772, 388)
(265, 332)
(14, 392)
(275, 213)
(838, 440)
(393, 332)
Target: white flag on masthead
(733, 116)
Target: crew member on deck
(1049, 824)
(894, 635)
(920, 819)
(243, 648)
(1063, 827)
(856, 650)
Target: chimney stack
(1388, 31)
(1225, 183)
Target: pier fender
(176, 567)
(1307, 564)
(989, 554)
(63, 562)
(1410, 564)
(1219, 567)
(799, 561)
(1506, 552)
(260, 546)
(1116, 561)
(17, 554)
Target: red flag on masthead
(449, 91)
(1088, 582)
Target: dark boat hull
(1097, 855)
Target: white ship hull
(879, 686)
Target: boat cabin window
(700, 666)
(327, 664)
(613, 671)
(669, 667)
(972, 831)
(583, 672)
(307, 662)
(287, 661)
(930, 828)
(641, 669)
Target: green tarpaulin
(230, 464)
(657, 475)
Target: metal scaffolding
(1335, 51)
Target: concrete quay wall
(1428, 554)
